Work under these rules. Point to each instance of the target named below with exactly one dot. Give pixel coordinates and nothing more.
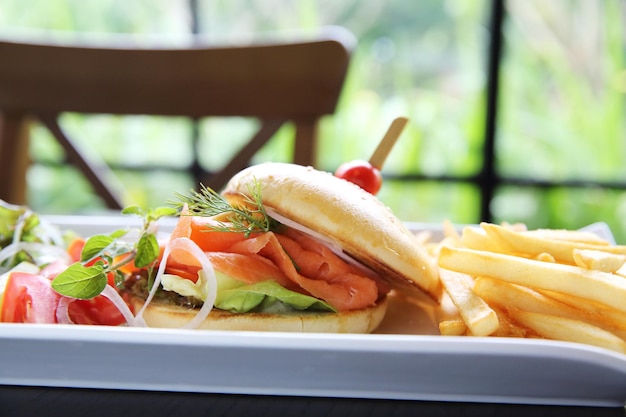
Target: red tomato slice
(99, 310)
(29, 298)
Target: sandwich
(324, 259)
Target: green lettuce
(238, 297)
(266, 296)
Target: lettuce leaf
(238, 297)
(266, 294)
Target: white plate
(357, 366)
(380, 366)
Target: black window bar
(488, 176)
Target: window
(558, 124)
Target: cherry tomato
(362, 173)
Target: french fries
(598, 286)
(554, 327)
(598, 260)
(532, 244)
(476, 313)
(508, 281)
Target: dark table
(42, 401)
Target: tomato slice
(99, 311)
(29, 298)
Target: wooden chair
(275, 81)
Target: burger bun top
(354, 219)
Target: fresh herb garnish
(105, 254)
(25, 236)
(248, 217)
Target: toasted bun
(366, 229)
(162, 314)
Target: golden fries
(508, 281)
(569, 235)
(455, 327)
(534, 244)
(598, 286)
(477, 315)
(553, 327)
(473, 238)
(598, 260)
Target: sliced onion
(63, 314)
(52, 241)
(19, 227)
(333, 245)
(62, 311)
(117, 300)
(207, 269)
(52, 233)
(51, 252)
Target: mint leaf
(94, 246)
(112, 253)
(147, 250)
(136, 210)
(157, 213)
(80, 281)
(118, 233)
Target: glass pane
(562, 207)
(419, 59)
(563, 85)
(155, 187)
(60, 189)
(562, 112)
(423, 60)
(133, 141)
(72, 18)
(430, 201)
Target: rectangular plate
(387, 365)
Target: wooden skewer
(386, 144)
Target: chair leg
(305, 149)
(14, 160)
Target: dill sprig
(249, 217)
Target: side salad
(52, 276)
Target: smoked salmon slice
(292, 259)
(331, 280)
(249, 268)
(198, 229)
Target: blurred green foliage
(561, 115)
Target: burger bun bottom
(165, 315)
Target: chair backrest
(274, 81)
